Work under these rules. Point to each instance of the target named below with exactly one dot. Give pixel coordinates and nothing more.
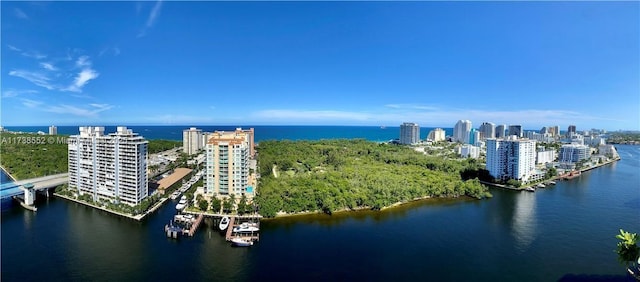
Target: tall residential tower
(409, 133)
(108, 167)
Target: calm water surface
(515, 236)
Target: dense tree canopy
(330, 175)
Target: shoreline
(281, 215)
(139, 217)
(13, 179)
(558, 177)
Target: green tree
(203, 204)
(627, 249)
(242, 205)
(216, 205)
(227, 205)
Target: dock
(253, 236)
(195, 226)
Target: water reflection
(524, 220)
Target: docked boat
(552, 182)
(530, 189)
(175, 195)
(540, 185)
(224, 223)
(239, 242)
(182, 204)
(246, 227)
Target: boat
(175, 195)
(552, 182)
(182, 204)
(246, 227)
(530, 189)
(239, 242)
(224, 223)
(540, 185)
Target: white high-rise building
(461, 131)
(573, 153)
(511, 158)
(228, 157)
(192, 140)
(109, 167)
(53, 130)
(409, 133)
(436, 135)
(487, 130)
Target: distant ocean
(372, 133)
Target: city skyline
(321, 63)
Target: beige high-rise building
(192, 140)
(227, 163)
(53, 130)
(436, 135)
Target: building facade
(516, 130)
(511, 158)
(487, 130)
(461, 131)
(436, 135)
(228, 156)
(53, 130)
(409, 133)
(109, 167)
(192, 141)
(469, 151)
(571, 129)
(544, 157)
(501, 131)
(573, 153)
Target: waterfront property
(511, 158)
(228, 159)
(109, 167)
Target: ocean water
(372, 133)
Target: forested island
(333, 175)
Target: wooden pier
(195, 226)
(253, 236)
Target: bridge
(29, 186)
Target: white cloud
(83, 61)
(14, 48)
(151, 20)
(20, 14)
(89, 112)
(48, 66)
(34, 77)
(31, 103)
(82, 79)
(34, 54)
(14, 93)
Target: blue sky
(321, 63)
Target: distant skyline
(321, 63)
